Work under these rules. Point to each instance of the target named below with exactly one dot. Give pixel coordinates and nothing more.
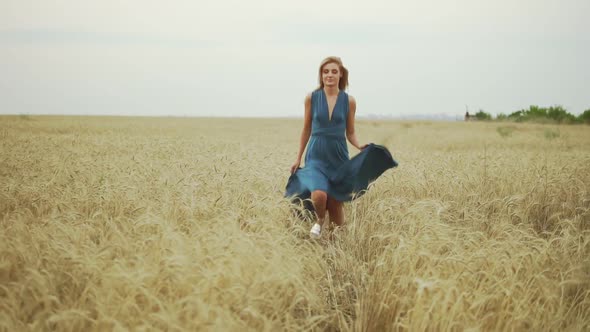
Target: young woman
(329, 177)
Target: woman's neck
(331, 91)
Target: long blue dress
(327, 164)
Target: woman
(329, 177)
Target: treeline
(553, 114)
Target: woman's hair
(343, 83)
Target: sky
(259, 58)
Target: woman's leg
(335, 211)
(319, 199)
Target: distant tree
(501, 117)
(543, 114)
(585, 117)
(482, 116)
(517, 116)
(560, 115)
(556, 113)
(536, 112)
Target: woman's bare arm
(350, 133)
(305, 133)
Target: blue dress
(327, 164)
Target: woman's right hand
(295, 166)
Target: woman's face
(331, 74)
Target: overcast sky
(260, 57)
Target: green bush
(536, 112)
(517, 116)
(502, 117)
(553, 114)
(585, 117)
(560, 115)
(556, 114)
(482, 116)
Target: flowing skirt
(349, 181)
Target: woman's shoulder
(312, 95)
(351, 99)
(315, 92)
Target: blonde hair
(343, 83)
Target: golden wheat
(179, 224)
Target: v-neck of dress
(331, 115)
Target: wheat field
(179, 224)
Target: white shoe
(316, 231)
